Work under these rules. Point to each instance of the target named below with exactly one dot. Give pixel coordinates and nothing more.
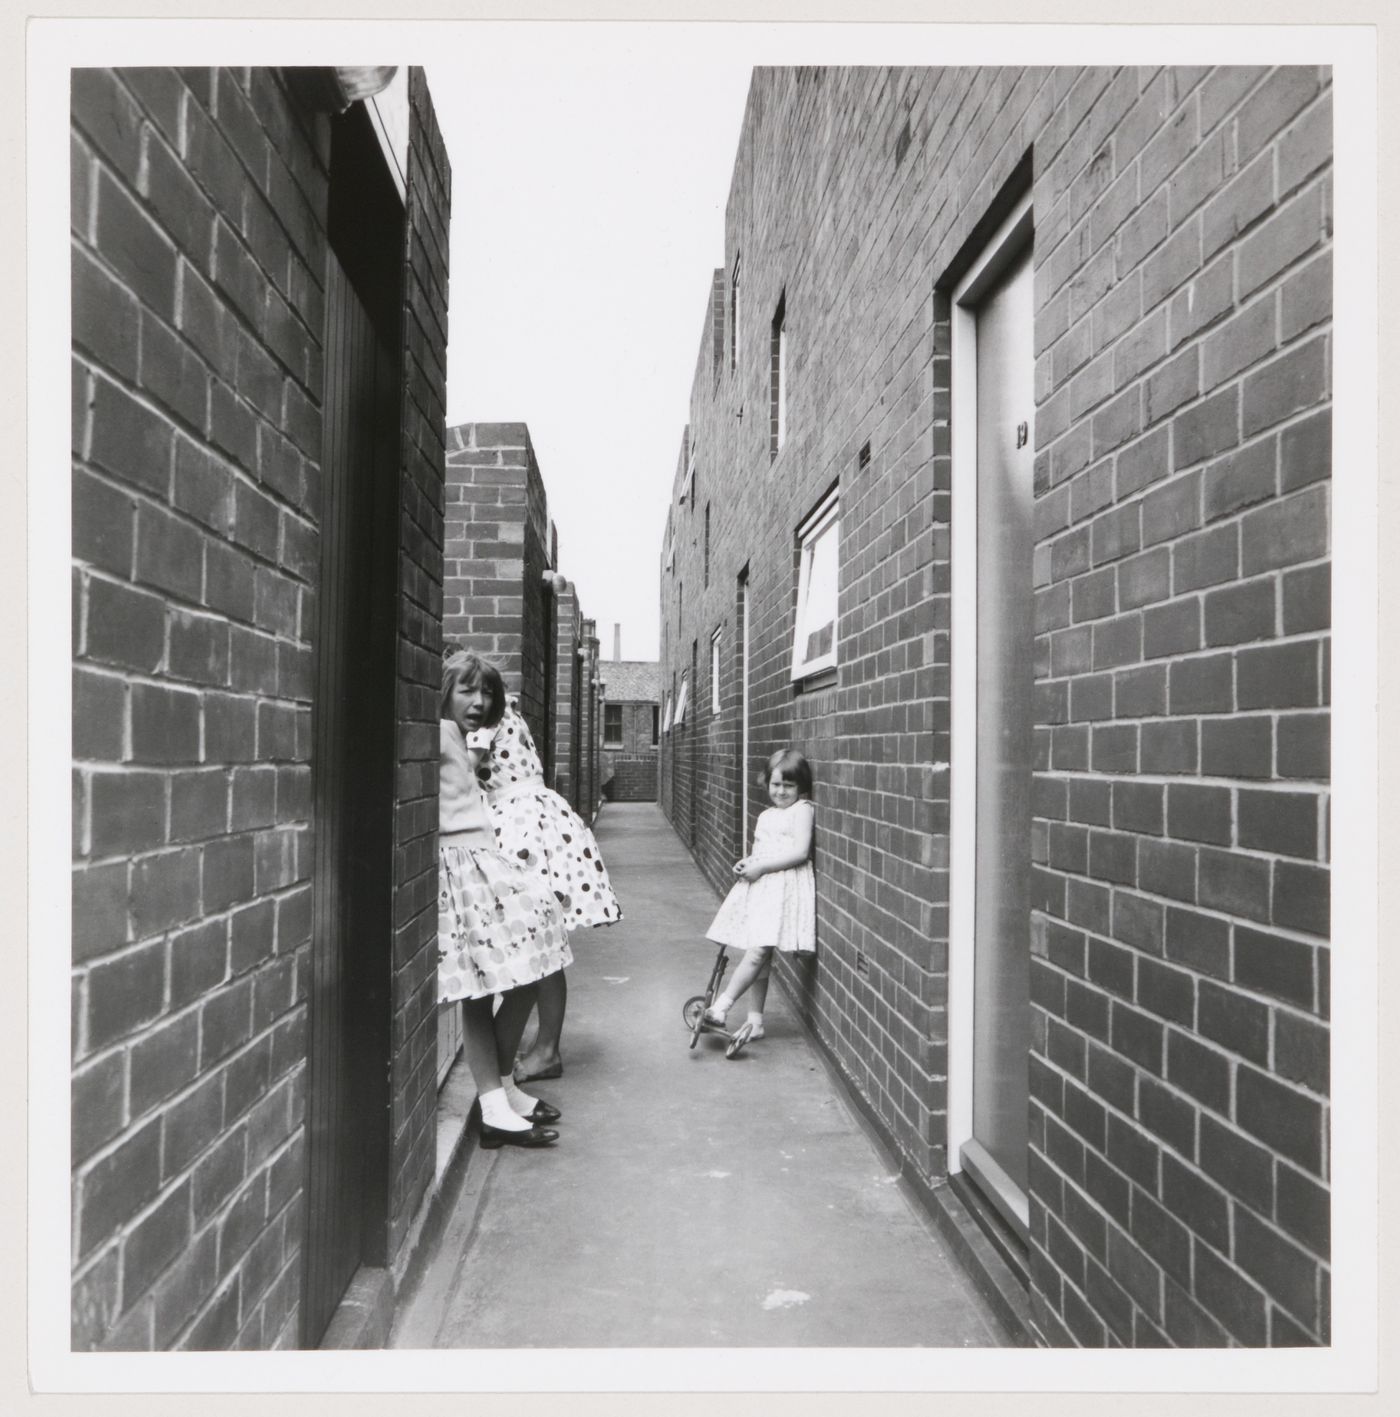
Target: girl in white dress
(773, 903)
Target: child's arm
(752, 867)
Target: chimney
(617, 641)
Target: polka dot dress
(497, 928)
(537, 828)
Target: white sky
(588, 193)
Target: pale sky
(589, 183)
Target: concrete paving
(691, 1200)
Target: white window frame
(682, 698)
(688, 486)
(666, 720)
(714, 671)
(962, 788)
(825, 520)
(734, 341)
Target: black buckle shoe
(492, 1137)
(544, 1114)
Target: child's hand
(748, 869)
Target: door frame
(1004, 247)
(742, 615)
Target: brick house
(631, 728)
(1005, 495)
(259, 279)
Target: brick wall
(567, 706)
(1178, 1040)
(589, 729)
(420, 614)
(633, 763)
(199, 204)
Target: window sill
(822, 679)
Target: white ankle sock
(521, 1102)
(721, 1006)
(755, 1022)
(497, 1112)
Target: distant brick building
(1005, 496)
(631, 728)
(259, 354)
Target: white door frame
(1008, 242)
(744, 724)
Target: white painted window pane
(818, 636)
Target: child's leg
(542, 1061)
(481, 1044)
(756, 961)
(760, 985)
(510, 1024)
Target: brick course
(1182, 384)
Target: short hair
(790, 764)
(468, 667)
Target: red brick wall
(1182, 335)
(198, 245)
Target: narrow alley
(691, 1200)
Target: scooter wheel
(693, 1010)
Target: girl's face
(782, 791)
(470, 703)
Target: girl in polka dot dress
(500, 930)
(536, 827)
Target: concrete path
(691, 1200)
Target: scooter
(694, 1009)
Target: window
(714, 672)
(655, 724)
(682, 698)
(669, 551)
(734, 316)
(814, 635)
(612, 725)
(666, 725)
(688, 486)
(777, 380)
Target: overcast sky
(589, 183)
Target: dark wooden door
(353, 797)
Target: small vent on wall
(901, 143)
(864, 460)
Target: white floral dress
(780, 907)
(538, 829)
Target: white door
(992, 687)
